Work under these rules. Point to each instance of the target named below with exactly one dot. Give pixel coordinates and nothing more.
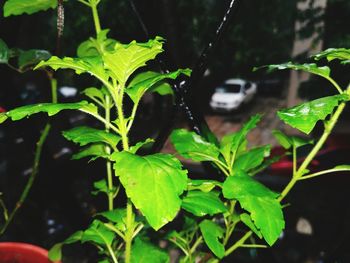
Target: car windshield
(229, 88)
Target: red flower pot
(12, 252)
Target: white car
(232, 94)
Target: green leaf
(85, 135)
(127, 58)
(137, 146)
(342, 54)
(235, 143)
(200, 203)
(282, 139)
(311, 68)
(117, 216)
(153, 183)
(305, 116)
(298, 141)
(50, 108)
(94, 46)
(29, 58)
(145, 252)
(100, 187)
(55, 253)
(98, 233)
(259, 201)
(212, 233)
(95, 94)
(251, 159)
(192, 146)
(94, 151)
(92, 65)
(203, 185)
(18, 7)
(246, 219)
(152, 81)
(4, 52)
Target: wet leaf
(305, 116)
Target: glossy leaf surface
(85, 135)
(50, 108)
(201, 203)
(259, 201)
(311, 68)
(305, 116)
(212, 233)
(192, 146)
(18, 7)
(153, 183)
(127, 58)
(145, 252)
(4, 52)
(29, 58)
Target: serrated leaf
(153, 183)
(4, 52)
(235, 143)
(342, 54)
(85, 135)
(98, 233)
(50, 108)
(259, 201)
(192, 146)
(29, 58)
(137, 146)
(200, 203)
(251, 159)
(212, 233)
(151, 81)
(94, 151)
(203, 185)
(246, 219)
(127, 58)
(145, 252)
(55, 253)
(311, 68)
(305, 116)
(92, 65)
(18, 7)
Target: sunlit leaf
(29, 58)
(137, 146)
(192, 146)
(246, 219)
(50, 108)
(100, 187)
(4, 52)
(145, 252)
(98, 233)
(203, 185)
(305, 116)
(200, 203)
(127, 58)
(252, 158)
(212, 233)
(259, 201)
(342, 54)
(18, 7)
(84, 135)
(117, 216)
(95, 94)
(153, 183)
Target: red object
(12, 252)
(2, 109)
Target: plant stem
(129, 231)
(93, 5)
(239, 243)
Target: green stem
(335, 84)
(129, 231)
(238, 244)
(93, 5)
(333, 170)
(294, 160)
